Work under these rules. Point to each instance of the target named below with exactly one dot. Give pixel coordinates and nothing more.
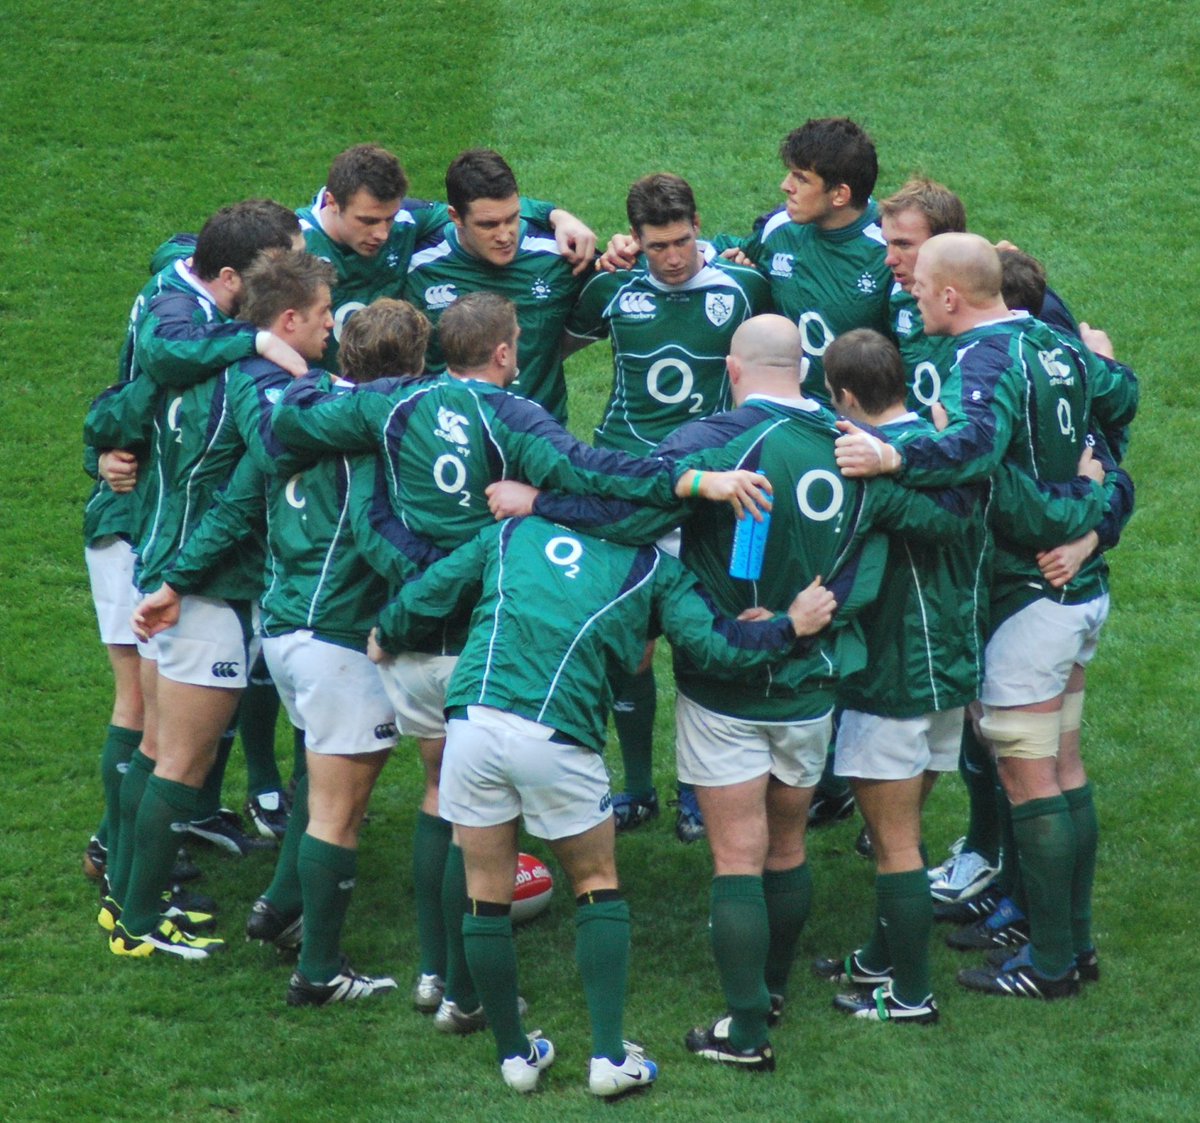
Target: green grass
(1065, 128)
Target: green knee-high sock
(119, 746)
(1082, 806)
(460, 987)
(1046, 850)
(602, 955)
(1009, 881)
(120, 857)
(740, 938)
(635, 700)
(906, 913)
(788, 895)
(256, 717)
(155, 843)
(284, 892)
(978, 772)
(875, 952)
(492, 956)
(327, 882)
(209, 802)
(431, 841)
(299, 756)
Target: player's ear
(455, 216)
(841, 195)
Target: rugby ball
(532, 888)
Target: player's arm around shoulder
(311, 417)
(178, 344)
(422, 603)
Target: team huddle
(859, 467)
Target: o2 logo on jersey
(440, 296)
(926, 371)
(812, 323)
(565, 552)
(673, 397)
(820, 494)
(450, 474)
(292, 492)
(639, 304)
(1066, 425)
(781, 265)
(342, 315)
(173, 422)
(718, 307)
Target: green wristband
(696, 484)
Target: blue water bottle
(749, 544)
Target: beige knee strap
(1071, 714)
(1020, 733)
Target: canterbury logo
(440, 296)
(387, 729)
(225, 670)
(781, 265)
(636, 303)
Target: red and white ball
(532, 888)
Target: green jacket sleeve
(179, 345)
(422, 604)
(238, 512)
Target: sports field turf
(1069, 129)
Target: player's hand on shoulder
(1096, 340)
(813, 609)
(620, 253)
(861, 455)
(575, 240)
(735, 254)
(282, 354)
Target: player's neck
(841, 218)
(893, 413)
(968, 319)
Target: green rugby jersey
(324, 571)
(208, 428)
(827, 281)
(924, 630)
(107, 513)
(821, 524)
(1027, 395)
(360, 279)
(556, 611)
(538, 281)
(669, 345)
(928, 359)
(443, 440)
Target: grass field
(1069, 129)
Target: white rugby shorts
(871, 747)
(499, 765)
(715, 750)
(331, 692)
